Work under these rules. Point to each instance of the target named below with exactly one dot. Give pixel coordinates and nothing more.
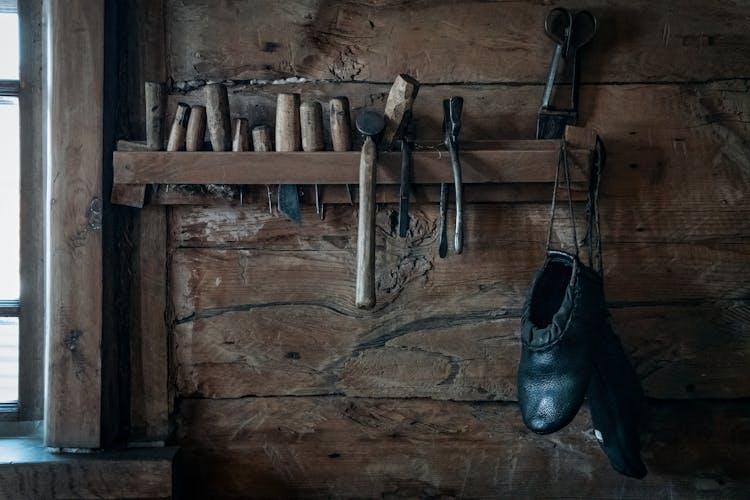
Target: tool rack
(493, 171)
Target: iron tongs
(451, 127)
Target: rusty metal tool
(570, 30)
(452, 109)
(407, 146)
(370, 125)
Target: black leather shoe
(616, 402)
(562, 315)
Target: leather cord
(564, 164)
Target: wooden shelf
(527, 163)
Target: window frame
(29, 308)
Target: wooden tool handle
(311, 124)
(179, 128)
(217, 114)
(196, 129)
(341, 126)
(262, 138)
(365, 294)
(156, 97)
(399, 103)
(240, 139)
(288, 136)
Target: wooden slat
(373, 448)
(74, 329)
(430, 167)
(354, 40)
(149, 360)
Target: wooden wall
(284, 388)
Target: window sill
(29, 470)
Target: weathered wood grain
(74, 285)
(356, 40)
(295, 350)
(366, 448)
(27, 470)
(149, 359)
(430, 167)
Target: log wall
(284, 388)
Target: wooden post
(74, 205)
(217, 113)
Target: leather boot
(562, 315)
(616, 402)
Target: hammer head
(370, 123)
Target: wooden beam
(430, 167)
(28, 470)
(74, 285)
(148, 342)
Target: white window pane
(8, 360)
(9, 199)
(8, 47)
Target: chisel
(288, 138)
(311, 124)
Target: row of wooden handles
(299, 126)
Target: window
(9, 209)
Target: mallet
(370, 125)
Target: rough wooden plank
(27, 470)
(148, 341)
(430, 167)
(364, 448)
(278, 350)
(409, 271)
(74, 329)
(355, 40)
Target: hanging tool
(311, 122)
(341, 130)
(262, 143)
(407, 146)
(370, 125)
(452, 109)
(399, 104)
(288, 138)
(443, 249)
(570, 30)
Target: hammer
(370, 125)
(397, 111)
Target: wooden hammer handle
(365, 294)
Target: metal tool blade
(443, 249)
(288, 199)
